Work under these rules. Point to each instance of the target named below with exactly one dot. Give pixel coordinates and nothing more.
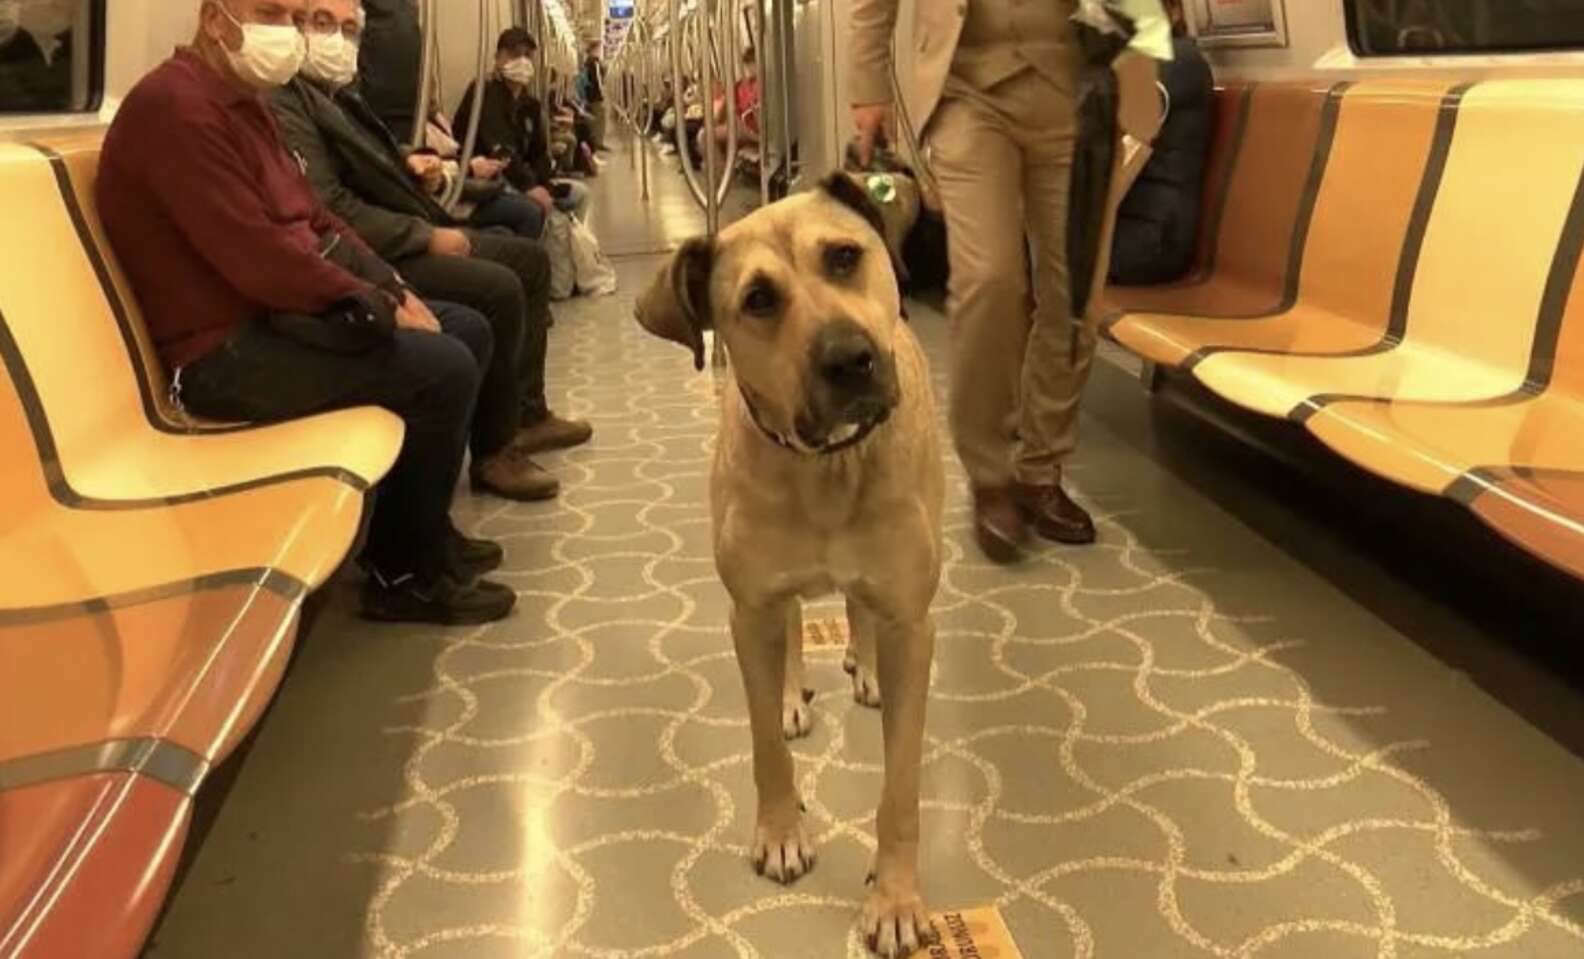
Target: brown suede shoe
(552, 433)
(999, 526)
(512, 475)
(1054, 514)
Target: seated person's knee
(468, 326)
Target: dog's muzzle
(851, 386)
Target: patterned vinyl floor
(1178, 743)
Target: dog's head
(805, 297)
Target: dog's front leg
(781, 850)
(797, 713)
(860, 658)
(894, 916)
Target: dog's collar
(786, 443)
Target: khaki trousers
(1003, 158)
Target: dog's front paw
(797, 716)
(783, 854)
(866, 688)
(895, 923)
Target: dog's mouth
(829, 434)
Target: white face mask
(332, 59)
(10, 19)
(520, 70)
(270, 56)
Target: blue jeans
(513, 211)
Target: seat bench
(152, 570)
(1418, 304)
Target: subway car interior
(1125, 499)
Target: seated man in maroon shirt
(259, 300)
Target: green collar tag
(882, 188)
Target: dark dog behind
(923, 252)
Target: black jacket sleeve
(510, 128)
(532, 117)
(391, 234)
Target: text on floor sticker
(972, 934)
(825, 632)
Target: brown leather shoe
(552, 433)
(1054, 514)
(999, 526)
(512, 475)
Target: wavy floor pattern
(1178, 743)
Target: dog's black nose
(844, 356)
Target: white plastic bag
(1152, 27)
(558, 246)
(595, 274)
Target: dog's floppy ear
(842, 188)
(676, 305)
(845, 189)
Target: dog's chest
(813, 545)
(834, 569)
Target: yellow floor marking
(972, 934)
(825, 632)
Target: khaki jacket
(937, 28)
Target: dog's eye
(762, 300)
(842, 260)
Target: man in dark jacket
(511, 127)
(1158, 223)
(358, 169)
(390, 62)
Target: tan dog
(827, 478)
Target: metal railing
(486, 12)
(427, 66)
(699, 41)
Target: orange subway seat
(1430, 446)
(1540, 510)
(193, 667)
(1249, 257)
(88, 861)
(1488, 251)
(1382, 169)
(114, 441)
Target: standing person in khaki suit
(995, 90)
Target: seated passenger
(571, 134)
(1158, 222)
(242, 274)
(358, 170)
(511, 127)
(745, 98)
(35, 56)
(487, 199)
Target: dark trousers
(511, 211)
(429, 380)
(508, 280)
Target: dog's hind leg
(860, 659)
(797, 716)
(894, 917)
(781, 850)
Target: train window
(1419, 27)
(51, 55)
